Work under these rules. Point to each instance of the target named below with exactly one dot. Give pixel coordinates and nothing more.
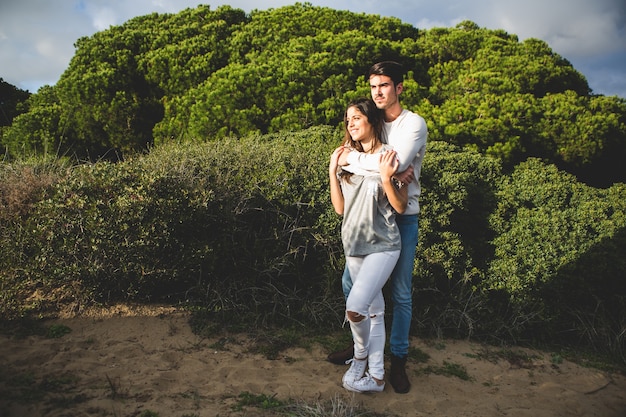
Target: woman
(368, 203)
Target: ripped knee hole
(355, 317)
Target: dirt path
(127, 365)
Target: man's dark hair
(391, 69)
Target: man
(407, 133)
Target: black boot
(341, 356)
(398, 378)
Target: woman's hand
(388, 164)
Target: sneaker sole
(352, 389)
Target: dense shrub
(244, 228)
(228, 224)
(558, 244)
(454, 238)
(22, 185)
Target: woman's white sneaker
(365, 384)
(356, 371)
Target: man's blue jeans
(401, 283)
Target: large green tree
(38, 131)
(11, 102)
(205, 74)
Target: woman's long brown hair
(368, 108)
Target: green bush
(227, 224)
(458, 193)
(23, 184)
(558, 246)
(244, 229)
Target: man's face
(383, 92)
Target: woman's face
(358, 125)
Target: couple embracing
(374, 185)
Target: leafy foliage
(37, 131)
(189, 224)
(12, 102)
(243, 228)
(554, 255)
(207, 74)
(546, 220)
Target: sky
(37, 36)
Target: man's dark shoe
(398, 378)
(342, 356)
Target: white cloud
(574, 28)
(102, 17)
(429, 24)
(37, 37)
(45, 47)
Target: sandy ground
(131, 365)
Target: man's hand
(406, 176)
(343, 158)
(334, 160)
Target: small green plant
(592, 360)
(57, 331)
(516, 358)
(271, 343)
(439, 345)
(261, 401)
(334, 341)
(418, 355)
(556, 359)
(449, 369)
